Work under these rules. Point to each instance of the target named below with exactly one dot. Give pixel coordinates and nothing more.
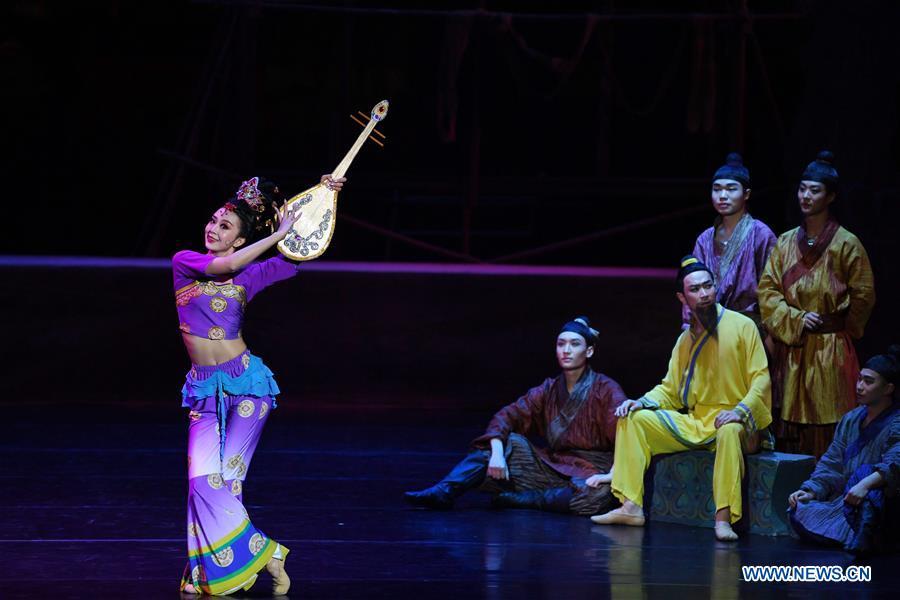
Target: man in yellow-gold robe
(815, 294)
(715, 396)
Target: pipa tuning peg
(364, 124)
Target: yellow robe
(708, 374)
(818, 370)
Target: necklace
(724, 243)
(810, 241)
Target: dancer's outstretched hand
(289, 216)
(629, 406)
(497, 468)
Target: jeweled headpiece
(249, 193)
(256, 203)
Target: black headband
(734, 169)
(690, 264)
(887, 365)
(582, 327)
(822, 170)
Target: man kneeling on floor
(715, 396)
(574, 412)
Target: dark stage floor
(94, 507)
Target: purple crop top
(213, 307)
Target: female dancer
(228, 390)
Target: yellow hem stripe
(219, 545)
(240, 578)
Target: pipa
(311, 234)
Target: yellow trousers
(642, 435)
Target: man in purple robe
(737, 246)
(574, 412)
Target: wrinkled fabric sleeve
(518, 417)
(861, 287)
(756, 406)
(783, 321)
(611, 395)
(188, 266)
(889, 465)
(258, 276)
(828, 478)
(665, 394)
(765, 243)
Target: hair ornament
(249, 193)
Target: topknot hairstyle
(734, 169)
(822, 170)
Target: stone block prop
(680, 488)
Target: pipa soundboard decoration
(311, 234)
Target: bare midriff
(212, 352)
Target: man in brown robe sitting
(574, 412)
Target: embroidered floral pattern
(229, 290)
(246, 408)
(236, 487)
(192, 529)
(257, 541)
(224, 557)
(215, 481)
(216, 333)
(233, 291)
(195, 575)
(245, 360)
(236, 465)
(184, 297)
(263, 410)
(218, 304)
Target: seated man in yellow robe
(715, 396)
